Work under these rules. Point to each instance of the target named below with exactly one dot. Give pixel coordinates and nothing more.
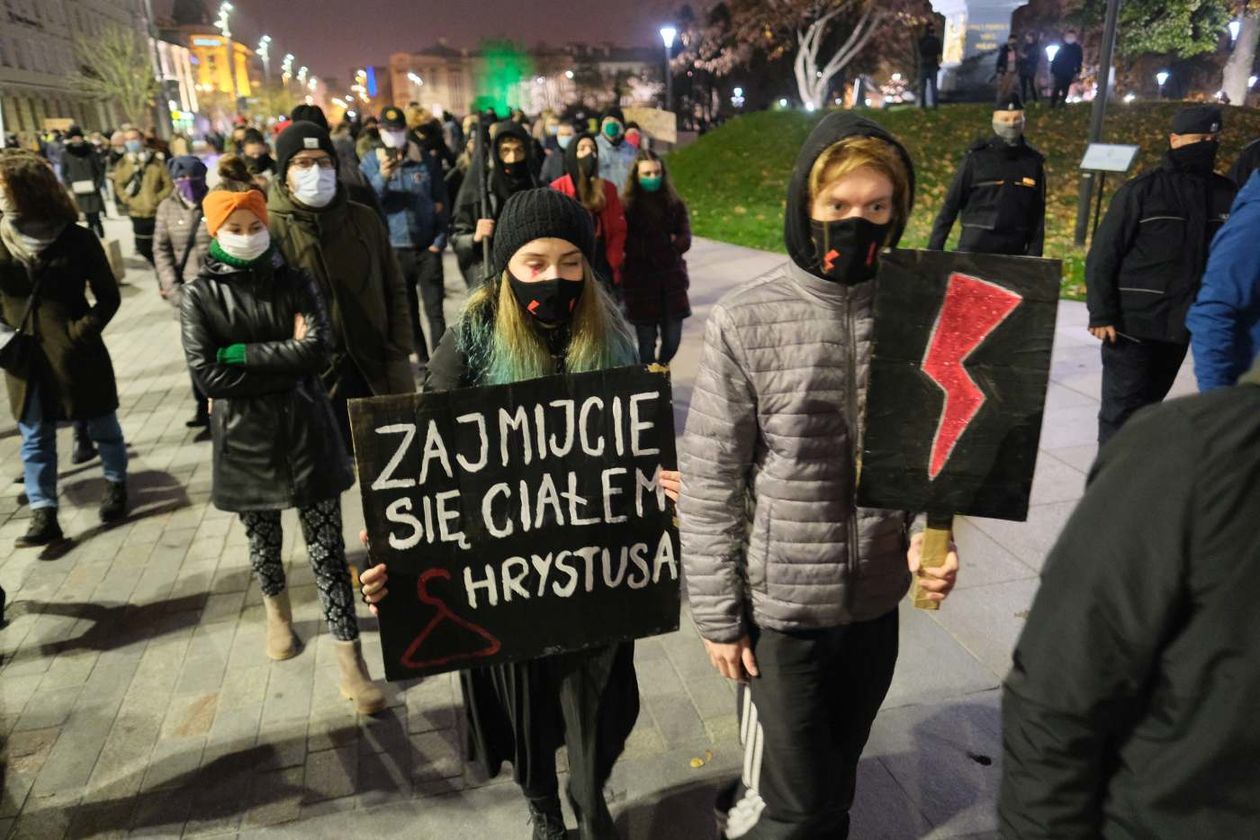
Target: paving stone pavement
(135, 698)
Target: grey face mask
(1009, 133)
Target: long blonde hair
(503, 345)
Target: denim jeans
(39, 450)
(671, 336)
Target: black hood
(833, 128)
(571, 156)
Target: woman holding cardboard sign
(257, 337)
(546, 314)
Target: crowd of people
(306, 270)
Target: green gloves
(232, 355)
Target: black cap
(186, 166)
(1011, 102)
(1197, 119)
(393, 119)
(616, 113)
(299, 137)
(74, 131)
(309, 113)
(537, 214)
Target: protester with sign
(792, 586)
(257, 338)
(1000, 189)
(599, 196)
(545, 313)
(56, 364)
(180, 244)
(1130, 710)
(1146, 262)
(654, 282)
(345, 247)
(510, 173)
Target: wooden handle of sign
(936, 543)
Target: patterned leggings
(321, 527)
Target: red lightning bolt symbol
(972, 310)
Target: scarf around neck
(27, 240)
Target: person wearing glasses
(345, 247)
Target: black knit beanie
(298, 137)
(538, 214)
(309, 113)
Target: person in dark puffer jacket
(793, 588)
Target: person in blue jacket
(1224, 321)
(413, 199)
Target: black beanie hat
(537, 214)
(616, 113)
(298, 137)
(309, 113)
(1197, 119)
(1010, 102)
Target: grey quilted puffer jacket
(770, 530)
(172, 237)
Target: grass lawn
(735, 178)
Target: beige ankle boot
(355, 683)
(281, 642)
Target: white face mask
(313, 187)
(394, 139)
(245, 246)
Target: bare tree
(1241, 60)
(117, 65)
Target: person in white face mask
(346, 248)
(256, 336)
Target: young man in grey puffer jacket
(793, 587)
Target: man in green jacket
(345, 246)
(141, 181)
(1130, 711)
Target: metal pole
(669, 83)
(161, 112)
(1097, 114)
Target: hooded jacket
(80, 164)
(468, 204)
(610, 222)
(1000, 190)
(276, 442)
(1224, 321)
(771, 532)
(1148, 256)
(1130, 710)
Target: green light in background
(503, 67)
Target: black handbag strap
(188, 248)
(36, 282)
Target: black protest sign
(958, 382)
(520, 520)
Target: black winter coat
(72, 367)
(276, 442)
(1130, 712)
(1067, 62)
(654, 278)
(80, 163)
(1148, 256)
(1248, 162)
(1001, 192)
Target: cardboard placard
(520, 520)
(656, 123)
(958, 382)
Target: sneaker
(547, 819)
(84, 450)
(114, 504)
(44, 529)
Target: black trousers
(1135, 375)
(1027, 87)
(1059, 90)
(422, 272)
(804, 723)
(927, 83)
(94, 224)
(143, 231)
(199, 397)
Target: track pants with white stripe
(803, 724)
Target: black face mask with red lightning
(848, 249)
(550, 302)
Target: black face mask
(848, 250)
(1197, 157)
(551, 302)
(588, 165)
(516, 173)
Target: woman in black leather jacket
(257, 337)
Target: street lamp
(1051, 51)
(1234, 27)
(301, 76)
(1251, 81)
(264, 52)
(668, 34)
(1160, 78)
(225, 12)
(568, 74)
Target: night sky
(334, 36)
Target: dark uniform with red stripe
(1000, 190)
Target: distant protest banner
(519, 521)
(658, 124)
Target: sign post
(958, 383)
(520, 521)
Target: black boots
(114, 503)
(44, 529)
(199, 421)
(547, 818)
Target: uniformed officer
(1000, 189)
(1146, 263)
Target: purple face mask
(192, 189)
